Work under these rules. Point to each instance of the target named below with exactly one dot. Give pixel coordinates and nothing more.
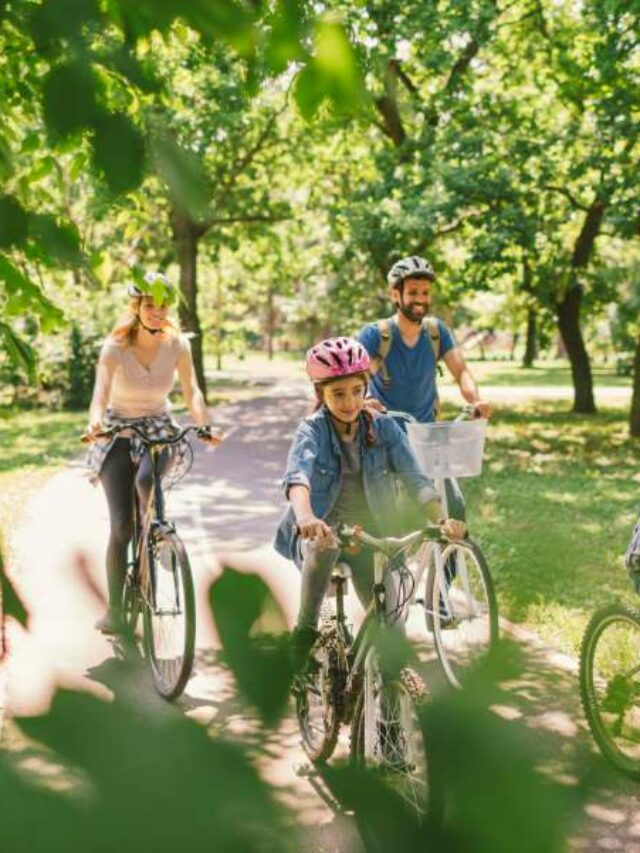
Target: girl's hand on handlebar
(311, 527)
(454, 529)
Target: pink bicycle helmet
(336, 357)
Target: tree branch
(568, 194)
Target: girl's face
(345, 397)
(153, 316)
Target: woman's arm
(191, 392)
(101, 391)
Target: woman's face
(153, 316)
(345, 397)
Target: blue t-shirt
(412, 370)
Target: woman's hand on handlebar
(94, 432)
(210, 435)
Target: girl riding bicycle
(134, 376)
(340, 470)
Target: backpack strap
(431, 327)
(378, 362)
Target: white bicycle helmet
(153, 283)
(413, 267)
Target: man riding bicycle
(405, 350)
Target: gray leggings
(118, 476)
(317, 565)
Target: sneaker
(110, 623)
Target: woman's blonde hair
(125, 330)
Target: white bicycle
(452, 581)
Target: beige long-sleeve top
(138, 391)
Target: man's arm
(457, 366)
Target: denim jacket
(315, 459)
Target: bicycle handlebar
(388, 544)
(110, 432)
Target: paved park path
(226, 510)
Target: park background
(274, 159)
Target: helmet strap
(147, 329)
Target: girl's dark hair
(369, 435)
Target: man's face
(414, 300)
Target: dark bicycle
(346, 682)
(158, 582)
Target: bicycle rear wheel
(610, 684)
(461, 609)
(386, 734)
(169, 615)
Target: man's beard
(408, 311)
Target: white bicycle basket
(450, 448)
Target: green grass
(34, 444)
(554, 510)
(555, 373)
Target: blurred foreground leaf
(258, 658)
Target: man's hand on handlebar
(453, 529)
(482, 409)
(374, 405)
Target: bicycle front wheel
(386, 733)
(610, 684)
(318, 697)
(461, 608)
(169, 615)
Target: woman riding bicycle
(339, 471)
(134, 376)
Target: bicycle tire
(464, 621)
(170, 656)
(609, 689)
(318, 694)
(395, 746)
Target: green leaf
(125, 62)
(244, 610)
(224, 19)
(41, 169)
(23, 292)
(58, 240)
(61, 19)
(336, 66)
(184, 176)
(69, 99)
(20, 353)
(13, 222)
(308, 92)
(119, 153)
(6, 164)
(284, 40)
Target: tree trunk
(531, 346)
(634, 417)
(568, 312)
(186, 235)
